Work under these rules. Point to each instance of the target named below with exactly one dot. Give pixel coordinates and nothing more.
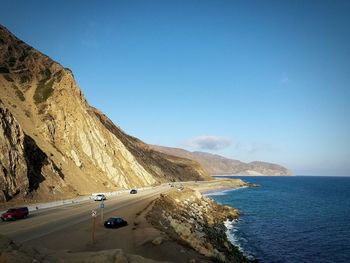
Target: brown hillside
(81, 151)
(219, 165)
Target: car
(133, 191)
(15, 213)
(115, 222)
(100, 197)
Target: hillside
(218, 165)
(54, 144)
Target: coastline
(222, 191)
(181, 225)
(190, 218)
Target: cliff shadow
(35, 159)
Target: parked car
(115, 222)
(100, 197)
(15, 213)
(133, 191)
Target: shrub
(43, 91)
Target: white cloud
(206, 142)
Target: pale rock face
(13, 169)
(75, 158)
(88, 140)
(24, 167)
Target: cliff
(219, 165)
(55, 144)
(196, 221)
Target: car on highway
(133, 191)
(115, 222)
(15, 213)
(100, 197)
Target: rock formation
(219, 165)
(196, 221)
(54, 143)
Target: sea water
(291, 219)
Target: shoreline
(191, 230)
(216, 192)
(191, 218)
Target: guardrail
(80, 199)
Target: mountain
(218, 165)
(54, 144)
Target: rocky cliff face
(219, 165)
(197, 222)
(23, 165)
(76, 142)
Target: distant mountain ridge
(219, 165)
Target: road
(69, 227)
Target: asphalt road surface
(70, 227)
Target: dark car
(15, 213)
(115, 222)
(133, 191)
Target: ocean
(291, 219)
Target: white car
(100, 197)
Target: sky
(249, 80)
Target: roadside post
(93, 216)
(102, 206)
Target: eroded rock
(197, 222)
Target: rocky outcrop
(13, 168)
(219, 165)
(23, 165)
(196, 221)
(81, 145)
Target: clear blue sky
(251, 80)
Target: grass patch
(43, 91)
(44, 88)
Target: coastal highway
(69, 227)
